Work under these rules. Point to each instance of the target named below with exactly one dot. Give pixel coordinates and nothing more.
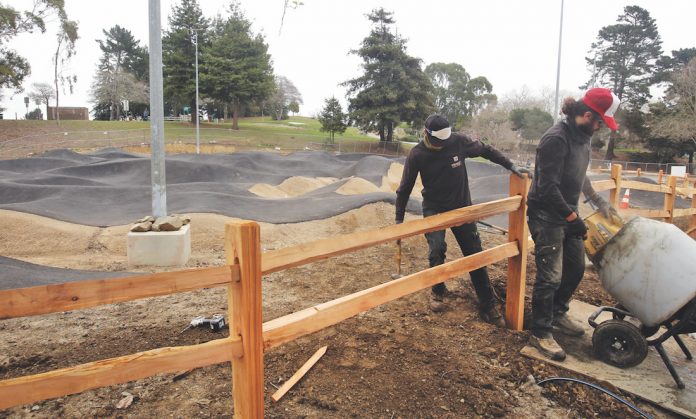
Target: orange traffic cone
(624, 200)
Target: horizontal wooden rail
(278, 260)
(645, 212)
(313, 319)
(686, 192)
(603, 185)
(82, 294)
(642, 186)
(113, 371)
(684, 212)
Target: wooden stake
(243, 247)
(517, 265)
(670, 197)
(615, 194)
(298, 374)
(691, 231)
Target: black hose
(603, 390)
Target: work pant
(469, 241)
(560, 263)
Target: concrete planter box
(160, 248)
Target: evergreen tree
(236, 66)
(332, 118)
(121, 75)
(623, 58)
(393, 87)
(178, 53)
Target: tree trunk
(610, 147)
(390, 131)
(226, 112)
(235, 114)
(381, 132)
(112, 112)
(55, 81)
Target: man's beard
(587, 128)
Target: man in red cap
(439, 159)
(558, 231)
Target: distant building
(67, 112)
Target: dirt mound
(356, 186)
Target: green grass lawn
(295, 133)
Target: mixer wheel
(619, 343)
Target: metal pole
(198, 136)
(159, 184)
(558, 67)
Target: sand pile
(357, 186)
(294, 186)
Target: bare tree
(41, 94)
(67, 36)
(115, 87)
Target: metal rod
(159, 184)
(198, 135)
(558, 67)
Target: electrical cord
(596, 387)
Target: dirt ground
(399, 360)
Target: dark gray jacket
(560, 171)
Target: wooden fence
(670, 189)
(249, 336)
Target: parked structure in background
(66, 112)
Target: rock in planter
(142, 227)
(169, 223)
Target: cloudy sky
(513, 43)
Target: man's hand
(577, 228)
(398, 241)
(521, 171)
(608, 211)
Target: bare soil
(399, 360)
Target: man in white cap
(439, 159)
(558, 231)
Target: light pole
(159, 183)
(194, 39)
(558, 67)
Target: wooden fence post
(659, 177)
(670, 198)
(692, 219)
(243, 247)
(615, 194)
(517, 265)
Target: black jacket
(561, 164)
(443, 173)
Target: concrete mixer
(649, 267)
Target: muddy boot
(564, 324)
(437, 303)
(548, 347)
(492, 316)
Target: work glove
(608, 211)
(520, 171)
(577, 228)
(398, 242)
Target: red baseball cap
(605, 103)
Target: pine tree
(393, 87)
(623, 58)
(332, 118)
(236, 66)
(178, 53)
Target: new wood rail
(278, 260)
(287, 328)
(68, 296)
(112, 371)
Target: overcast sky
(513, 43)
